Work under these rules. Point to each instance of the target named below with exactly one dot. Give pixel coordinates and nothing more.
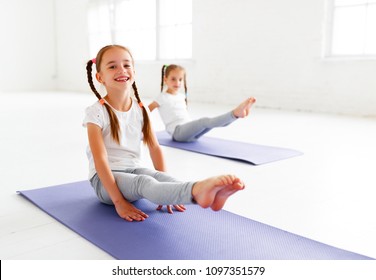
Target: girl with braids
(116, 125)
(172, 107)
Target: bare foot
(223, 194)
(213, 192)
(243, 108)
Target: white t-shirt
(128, 153)
(172, 109)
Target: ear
(98, 77)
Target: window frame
(158, 26)
(329, 36)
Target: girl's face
(116, 70)
(174, 80)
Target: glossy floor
(328, 194)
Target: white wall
(43, 45)
(27, 49)
(269, 49)
(72, 44)
(273, 50)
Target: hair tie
(94, 60)
(140, 104)
(166, 65)
(101, 101)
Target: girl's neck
(170, 91)
(120, 102)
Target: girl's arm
(156, 154)
(153, 105)
(124, 209)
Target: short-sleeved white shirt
(128, 153)
(172, 109)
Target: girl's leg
(212, 192)
(134, 187)
(158, 175)
(193, 130)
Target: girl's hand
(129, 213)
(179, 207)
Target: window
(152, 29)
(353, 28)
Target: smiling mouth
(122, 79)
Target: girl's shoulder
(95, 114)
(95, 108)
(135, 108)
(96, 105)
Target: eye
(127, 66)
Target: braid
(90, 79)
(185, 88)
(146, 129)
(163, 73)
(114, 122)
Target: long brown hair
(114, 122)
(166, 69)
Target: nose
(121, 69)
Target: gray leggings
(193, 130)
(155, 186)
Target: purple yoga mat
(235, 150)
(196, 234)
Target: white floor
(328, 194)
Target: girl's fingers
(180, 207)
